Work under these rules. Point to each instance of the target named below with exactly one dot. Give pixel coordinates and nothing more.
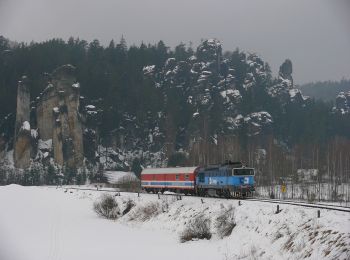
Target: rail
(273, 201)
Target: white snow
(45, 145)
(34, 133)
(293, 92)
(115, 177)
(89, 107)
(149, 69)
(41, 223)
(92, 112)
(25, 126)
(76, 85)
(56, 110)
(230, 93)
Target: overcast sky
(314, 34)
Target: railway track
(304, 204)
(273, 201)
(297, 201)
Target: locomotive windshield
(243, 171)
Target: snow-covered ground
(42, 223)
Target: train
(230, 179)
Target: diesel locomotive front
(231, 179)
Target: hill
(326, 90)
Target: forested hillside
(327, 90)
(186, 106)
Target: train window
(243, 171)
(187, 177)
(201, 177)
(177, 177)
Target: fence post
(138, 194)
(158, 196)
(202, 201)
(318, 213)
(239, 203)
(278, 209)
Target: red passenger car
(179, 179)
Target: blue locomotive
(231, 179)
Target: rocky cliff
(22, 147)
(59, 130)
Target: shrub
(198, 228)
(107, 207)
(225, 222)
(148, 211)
(129, 205)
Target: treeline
(113, 73)
(325, 90)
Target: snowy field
(43, 223)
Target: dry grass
(148, 211)
(107, 207)
(225, 222)
(129, 204)
(198, 228)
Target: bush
(225, 222)
(107, 207)
(129, 205)
(148, 211)
(198, 228)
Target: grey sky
(314, 34)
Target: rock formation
(284, 89)
(22, 146)
(286, 70)
(58, 121)
(342, 103)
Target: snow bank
(60, 224)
